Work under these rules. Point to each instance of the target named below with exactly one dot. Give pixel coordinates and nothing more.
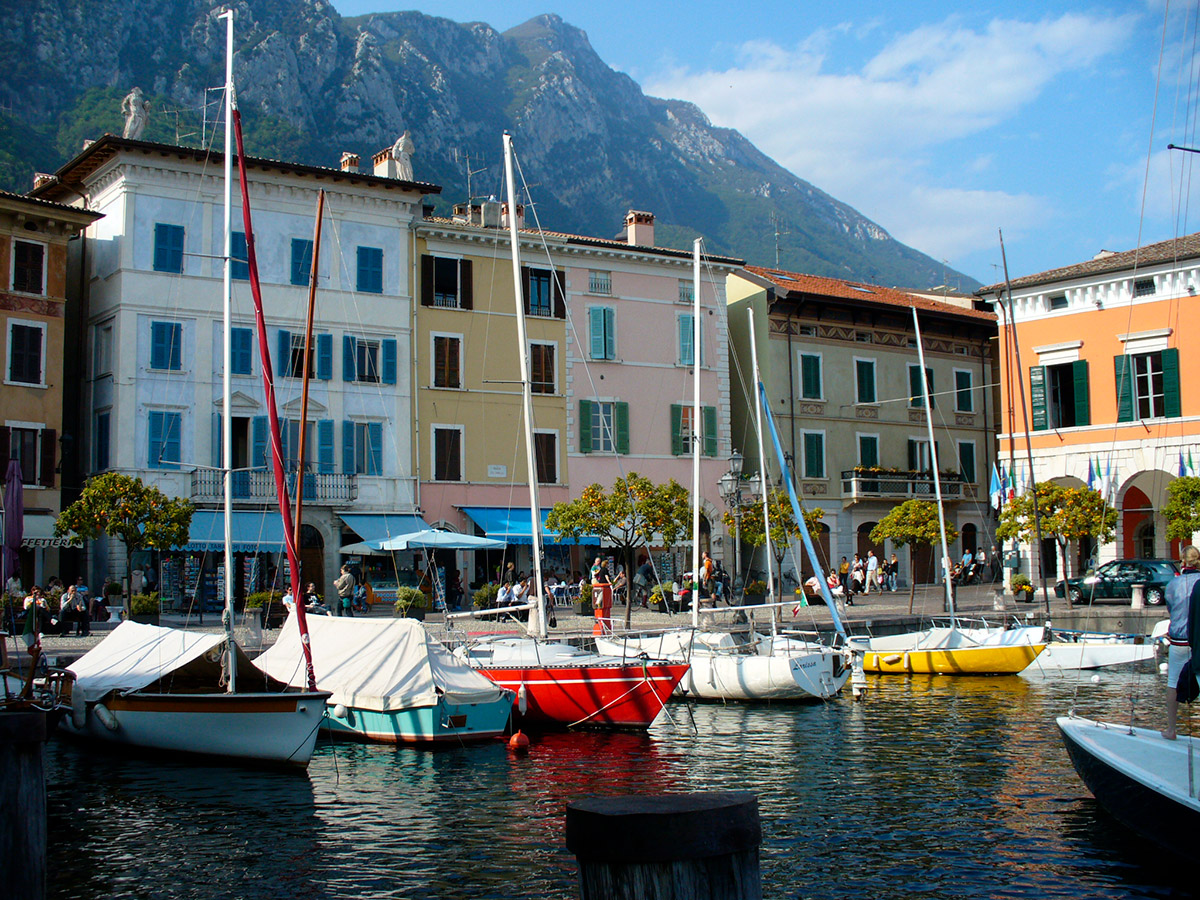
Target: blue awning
(381, 526)
(513, 525)
(253, 532)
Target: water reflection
(937, 787)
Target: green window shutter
(610, 333)
(966, 460)
(913, 458)
(868, 451)
(814, 455)
(596, 331)
(1079, 373)
(677, 442)
(914, 386)
(1037, 398)
(585, 426)
(929, 387)
(810, 376)
(1170, 370)
(964, 399)
(866, 380)
(1124, 370)
(621, 415)
(710, 431)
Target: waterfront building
(840, 366)
(38, 306)
(1096, 380)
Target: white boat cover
(375, 664)
(136, 655)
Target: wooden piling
(23, 801)
(700, 846)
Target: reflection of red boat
(559, 686)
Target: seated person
(835, 583)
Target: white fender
(892, 658)
(107, 719)
(340, 711)
(522, 699)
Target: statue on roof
(402, 153)
(136, 108)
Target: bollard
(1138, 597)
(671, 846)
(23, 800)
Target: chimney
(639, 228)
(385, 165)
(41, 178)
(490, 216)
(349, 162)
(520, 215)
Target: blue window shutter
(302, 251)
(218, 421)
(168, 248)
(241, 339)
(375, 432)
(389, 361)
(349, 363)
(325, 446)
(258, 455)
(158, 345)
(154, 446)
(172, 439)
(348, 448)
(175, 359)
(239, 267)
(686, 351)
(283, 362)
(283, 439)
(370, 270)
(324, 357)
(595, 316)
(610, 333)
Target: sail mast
(763, 481)
(308, 330)
(227, 354)
(696, 433)
(538, 621)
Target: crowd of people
(57, 609)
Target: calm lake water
(931, 788)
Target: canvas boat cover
(375, 664)
(135, 655)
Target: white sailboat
(161, 688)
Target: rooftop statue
(402, 153)
(136, 108)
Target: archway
(820, 539)
(1141, 524)
(312, 557)
(970, 538)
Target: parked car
(1115, 580)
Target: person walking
(345, 590)
(893, 573)
(872, 567)
(1179, 652)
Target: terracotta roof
(861, 293)
(1186, 247)
(48, 207)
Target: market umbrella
(428, 538)
(14, 521)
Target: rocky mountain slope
(312, 84)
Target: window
(26, 349)
(241, 361)
(539, 292)
(447, 454)
(1058, 395)
(294, 357)
(29, 267)
(1149, 399)
(102, 349)
(864, 378)
(868, 450)
(603, 426)
(864, 337)
(165, 433)
(366, 361)
(239, 265)
(362, 448)
(102, 440)
(447, 365)
(600, 283)
(920, 458)
(166, 346)
(682, 429)
(810, 376)
(168, 248)
(1143, 287)
(1148, 385)
(916, 397)
(964, 397)
(687, 292)
(814, 454)
(289, 437)
(545, 448)
(602, 331)
(23, 447)
(966, 461)
(302, 251)
(806, 330)
(1058, 301)
(446, 282)
(370, 270)
(687, 335)
(542, 376)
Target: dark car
(1115, 580)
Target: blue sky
(942, 122)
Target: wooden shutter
(610, 333)
(810, 377)
(1037, 398)
(914, 386)
(348, 447)
(596, 331)
(621, 426)
(349, 363)
(325, 357)
(284, 348)
(678, 444)
(258, 456)
(868, 451)
(5, 446)
(525, 287)
(155, 447)
(217, 424)
(1124, 372)
(1083, 409)
(375, 454)
(465, 285)
(389, 361)
(914, 458)
(584, 425)
(814, 455)
(559, 304)
(929, 387)
(426, 280)
(240, 338)
(49, 439)
(1170, 370)
(710, 431)
(325, 446)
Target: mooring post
(700, 846)
(23, 802)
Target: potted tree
(410, 602)
(755, 593)
(144, 608)
(270, 607)
(662, 598)
(485, 596)
(1022, 589)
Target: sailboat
(556, 685)
(161, 688)
(733, 666)
(950, 649)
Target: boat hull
(1067, 656)
(444, 723)
(811, 676)
(952, 661)
(259, 728)
(1139, 778)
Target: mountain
(312, 84)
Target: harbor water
(933, 787)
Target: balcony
(258, 486)
(867, 484)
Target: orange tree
(118, 506)
(635, 513)
(1067, 514)
(913, 522)
(784, 529)
(1182, 509)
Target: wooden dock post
(700, 846)
(23, 801)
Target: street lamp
(730, 487)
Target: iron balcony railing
(899, 486)
(320, 488)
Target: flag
(996, 490)
(1182, 469)
(1109, 478)
(1012, 486)
(1191, 468)
(1091, 479)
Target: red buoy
(518, 742)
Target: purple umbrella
(14, 520)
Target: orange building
(1096, 378)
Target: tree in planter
(118, 506)
(784, 528)
(913, 522)
(628, 517)
(1067, 513)
(1182, 509)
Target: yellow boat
(951, 651)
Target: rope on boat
(615, 700)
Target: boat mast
(696, 433)
(763, 481)
(308, 330)
(227, 355)
(933, 461)
(538, 621)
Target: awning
(253, 532)
(513, 526)
(381, 526)
(39, 532)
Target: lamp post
(730, 487)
